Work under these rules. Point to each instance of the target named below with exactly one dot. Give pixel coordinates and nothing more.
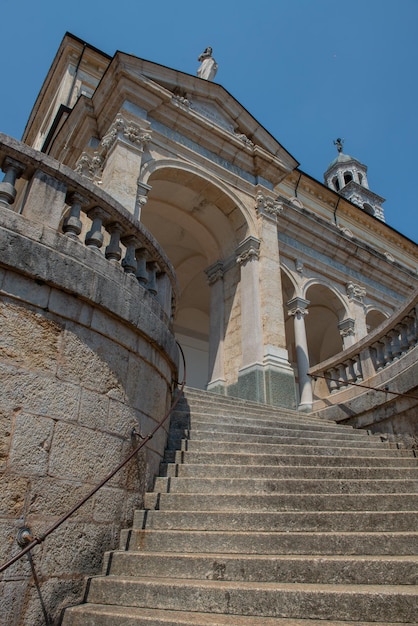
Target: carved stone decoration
(267, 205)
(346, 231)
(389, 257)
(181, 101)
(215, 272)
(91, 165)
(355, 292)
(248, 250)
(298, 307)
(239, 135)
(346, 327)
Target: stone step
(324, 448)
(268, 486)
(281, 502)
(295, 439)
(243, 428)
(295, 600)
(268, 568)
(267, 421)
(189, 470)
(105, 615)
(280, 458)
(315, 521)
(319, 543)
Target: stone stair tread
(132, 616)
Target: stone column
(297, 308)
(215, 275)
(250, 376)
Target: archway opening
(325, 311)
(197, 224)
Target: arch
(374, 318)
(153, 166)
(198, 222)
(348, 177)
(336, 183)
(368, 208)
(326, 309)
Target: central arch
(198, 222)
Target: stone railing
(42, 189)
(387, 344)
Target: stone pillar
(297, 308)
(215, 275)
(12, 171)
(121, 151)
(250, 376)
(279, 375)
(346, 328)
(355, 294)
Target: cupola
(348, 177)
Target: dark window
(348, 177)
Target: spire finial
(339, 143)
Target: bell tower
(348, 177)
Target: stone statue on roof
(208, 66)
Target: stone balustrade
(42, 189)
(388, 343)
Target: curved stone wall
(86, 356)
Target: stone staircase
(265, 517)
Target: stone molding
(346, 327)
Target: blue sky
(308, 70)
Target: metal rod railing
(348, 382)
(34, 541)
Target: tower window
(360, 178)
(336, 183)
(348, 177)
(368, 208)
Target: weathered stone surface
(12, 495)
(30, 455)
(82, 454)
(70, 307)
(54, 497)
(28, 338)
(43, 395)
(25, 289)
(5, 433)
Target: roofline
(340, 197)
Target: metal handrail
(34, 541)
(349, 382)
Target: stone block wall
(79, 371)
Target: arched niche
(326, 309)
(197, 224)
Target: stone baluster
(113, 251)
(72, 224)
(342, 376)
(331, 376)
(357, 370)
(12, 171)
(395, 343)
(387, 350)
(349, 371)
(152, 268)
(94, 238)
(141, 261)
(129, 263)
(411, 330)
(378, 349)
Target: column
(215, 275)
(355, 294)
(297, 308)
(250, 376)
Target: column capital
(268, 206)
(248, 250)
(215, 272)
(298, 306)
(346, 327)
